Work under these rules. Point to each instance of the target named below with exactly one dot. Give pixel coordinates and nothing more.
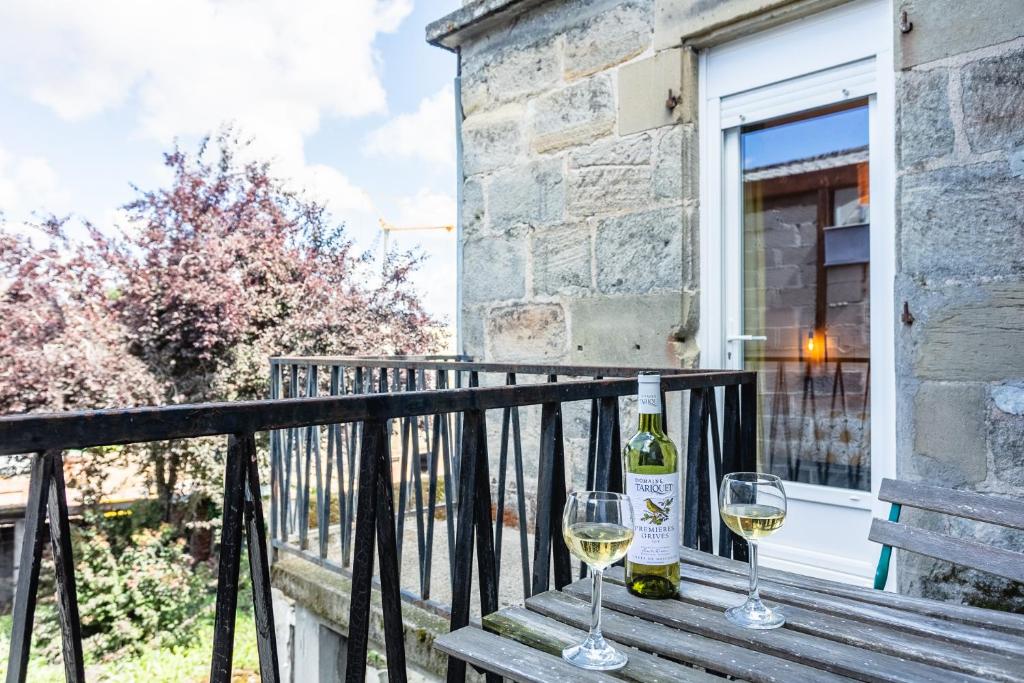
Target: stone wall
(577, 240)
(960, 230)
(579, 214)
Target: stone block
(573, 115)
(993, 100)
(943, 28)
(962, 222)
(493, 269)
(527, 333)
(1009, 398)
(926, 130)
(472, 208)
(492, 77)
(605, 189)
(471, 324)
(950, 445)
(643, 89)
(532, 193)
(627, 330)
(633, 150)
(676, 168)
(332, 655)
(973, 334)
(1017, 162)
(492, 140)
(608, 39)
(641, 252)
(561, 259)
(1006, 442)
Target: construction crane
(388, 228)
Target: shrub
(131, 596)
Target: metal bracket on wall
(906, 25)
(907, 317)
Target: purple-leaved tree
(209, 277)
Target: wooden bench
(891, 533)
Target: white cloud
(426, 208)
(332, 188)
(427, 134)
(272, 68)
(436, 279)
(28, 184)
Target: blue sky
(346, 97)
(838, 131)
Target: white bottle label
(648, 396)
(656, 506)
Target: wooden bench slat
(950, 653)
(1005, 563)
(976, 616)
(827, 655)
(909, 622)
(680, 646)
(511, 659)
(550, 636)
(968, 504)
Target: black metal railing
(361, 423)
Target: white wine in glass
(753, 505)
(598, 529)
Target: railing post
(474, 516)
(691, 509)
(235, 468)
(549, 548)
(375, 518)
(259, 568)
(46, 494)
(729, 544)
(390, 579)
(362, 560)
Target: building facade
(829, 192)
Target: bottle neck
(651, 422)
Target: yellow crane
(388, 228)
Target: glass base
(755, 614)
(594, 655)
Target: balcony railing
(353, 429)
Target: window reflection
(806, 288)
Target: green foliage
(137, 590)
(187, 663)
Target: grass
(185, 664)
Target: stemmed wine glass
(598, 529)
(754, 506)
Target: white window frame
(839, 54)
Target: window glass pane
(806, 288)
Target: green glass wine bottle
(652, 484)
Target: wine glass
(598, 529)
(754, 506)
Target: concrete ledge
(477, 17)
(327, 595)
(704, 25)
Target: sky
(344, 96)
(805, 138)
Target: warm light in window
(810, 342)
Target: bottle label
(655, 502)
(648, 397)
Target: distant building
(829, 192)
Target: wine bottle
(652, 484)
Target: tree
(210, 276)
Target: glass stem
(752, 547)
(595, 607)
